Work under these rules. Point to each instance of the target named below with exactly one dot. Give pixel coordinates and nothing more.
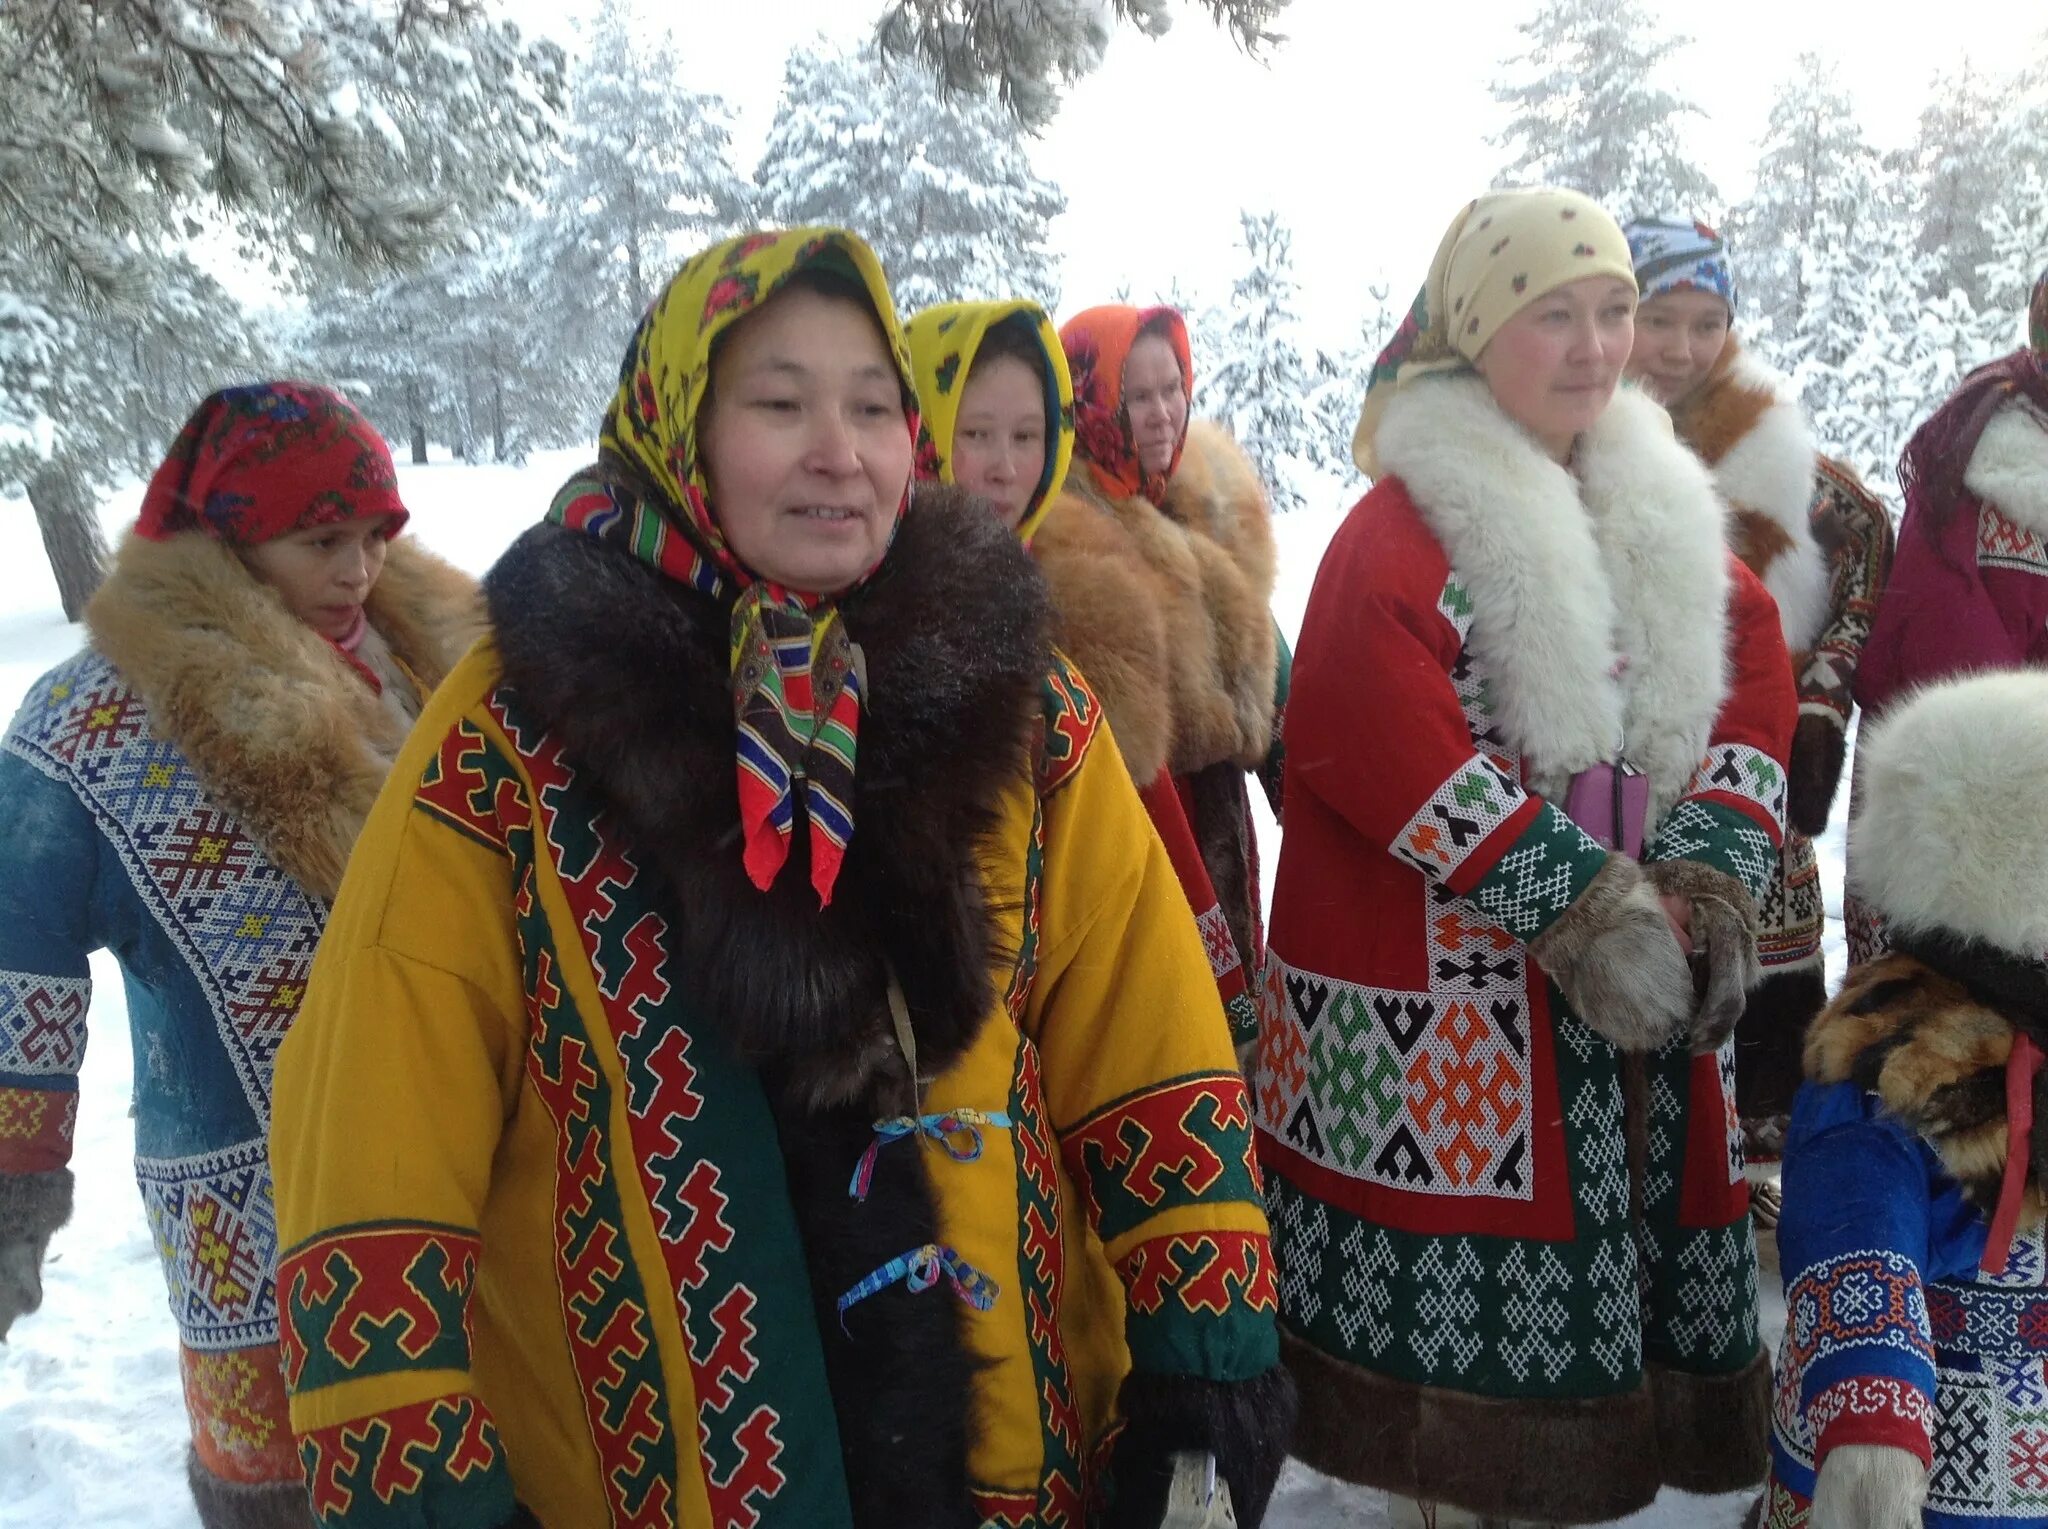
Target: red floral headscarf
(254, 463)
(1098, 342)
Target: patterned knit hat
(1098, 342)
(257, 462)
(943, 344)
(1674, 255)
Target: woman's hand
(1678, 911)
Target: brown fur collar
(279, 728)
(1934, 1053)
(630, 670)
(1167, 609)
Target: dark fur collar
(1931, 1042)
(629, 670)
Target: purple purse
(1611, 802)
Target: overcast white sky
(1365, 130)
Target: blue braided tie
(920, 1269)
(958, 1131)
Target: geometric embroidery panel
(42, 1024)
(1736, 769)
(1541, 875)
(241, 1427)
(1431, 1092)
(1868, 1297)
(1725, 1066)
(2003, 544)
(216, 1231)
(1458, 817)
(1991, 1441)
(1721, 837)
(245, 929)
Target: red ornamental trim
(457, 789)
(1042, 1262)
(1147, 1142)
(385, 1300)
(390, 1453)
(1025, 977)
(1872, 1409)
(695, 1227)
(36, 1127)
(1204, 1272)
(1006, 1510)
(1072, 716)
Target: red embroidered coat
(1478, 1285)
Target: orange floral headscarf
(1098, 342)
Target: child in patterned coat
(1915, 1359)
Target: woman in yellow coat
(732, 1089)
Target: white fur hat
(1950, 835)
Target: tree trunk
(419, 441)
(69, 521)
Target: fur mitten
(1617, 962)
(1723, 944)
(32, 1207)
(1247, 1425)
(247, 1504)
(1869, 1486)
(1724, 941)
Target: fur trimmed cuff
(1724, 944)
(247, 1505)
(1247, 1424)
(1614, 957)
(1819, 746)
(34, 1205)
(1695, 879)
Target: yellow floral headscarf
(943, 343)
(1501, 253)
(796, 680)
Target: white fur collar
(1565, 573)
(2009, 468)
(1771, 471)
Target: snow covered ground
(92, 1426)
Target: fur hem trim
(1208, 561)
(1951, 828)
(1247, 1425)
(1569, 574)
(1577, 1461)
(1752, 431)
(35, 1205)
(2009, 467)
(1691, 878)
(1713, 1431)
(246, 1505)
(277, 726)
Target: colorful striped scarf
(796, 674)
